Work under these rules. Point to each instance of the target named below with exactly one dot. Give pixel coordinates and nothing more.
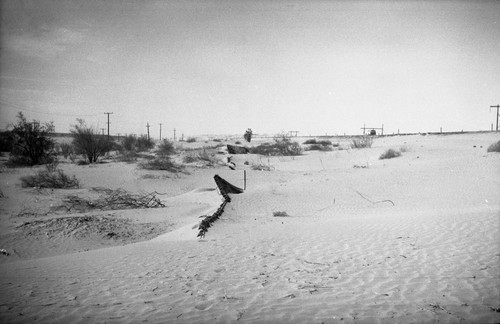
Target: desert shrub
(237, 142)
(129, 142)
(248, 135)
(191, 139)
(280, 214)
(325, 142)
(495, 147)
(166, 148)
(144, 143)
(262, 167)
(50, 179)
(389, 154)
(362, 142)
(31, 144)
(201, 155)
(88, 142)
(311, 141)
(282, 146)
(319, 147)
(160, 163)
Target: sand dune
(408, 240)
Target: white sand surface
(413, 239)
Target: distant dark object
(373, 132)
(233, 149)
(248, 135)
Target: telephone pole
(147, 125)
(160, 131)
(497, 107)
(108, 113)
(174, 134)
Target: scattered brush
(206, 156)
(280, 214)
(495, 147)
(56, 179)
(262, 167)
(112, 200)
(163, 163)
(362, 142)
(319, 147)
(389, 154)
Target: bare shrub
(67, 150)
(160, 163)
(495, 147)
(166, 148)
(31, 144)
(319, 147)
(282, 146)
(129, 143)
(88, 142)
(144, 143)
(389, 154)
(204, 155)
(362, 142)
(50, 179)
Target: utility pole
(147, 125)
(174, 134)
(497, 107)
(160, 131)
(108, 113)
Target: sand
(413, 239)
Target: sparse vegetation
(282, 145)
(280, 214)
(160, 163)
(389, 154)
(88, 142)
(262, 167)
(129, 143)
(319, 147)
(50, 179)
(495, 147)
(166, 148)
(315, 141)
(144, 143)
(204, 155)
(31, 144)
(362, 142)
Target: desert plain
(325, 237)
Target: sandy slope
(412, 239)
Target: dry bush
(282, 146)
(262, 167)
(31, 143)
(160, 163)
(319, 147)
(204, 155)
(389, 154)
(495, 147)
(50, 179)
(88, 142)
(362, 142)
(280, 214)
(166, 148)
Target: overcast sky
(220, 67)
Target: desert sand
(414, 239)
